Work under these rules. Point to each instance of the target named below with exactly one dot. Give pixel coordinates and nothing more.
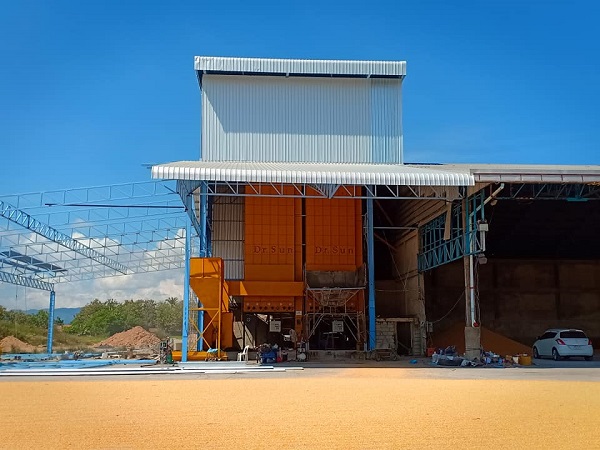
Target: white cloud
(151, 285)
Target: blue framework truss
(436, 251)
(26, 221)
(85, 233)
(29, 282)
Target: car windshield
(573, 335)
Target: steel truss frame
(332, 303)
(463, 239)
(189, 189)
(85, 233)
(550, 191)
(308, 190)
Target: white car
(561, 343)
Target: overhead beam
(550, 191)
(20, 280)
(324, 191)
(23, 219)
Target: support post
(472, 333)
(50, 322)
(467, 262)
(203, 254)
(371, 270)
(186, 293)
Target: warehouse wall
(301, 119)
(403, 296)
(521, 298)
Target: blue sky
(92, 90)
(89, 91)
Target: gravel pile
(136, 337)
(11, 344)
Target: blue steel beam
(50, 323)
(371, 273)
(186, 294)
(20, 280)
(23, 219)
(204, 253)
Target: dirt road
(352, 408)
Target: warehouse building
(312, 225)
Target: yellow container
(525, 360)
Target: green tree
(39, 319)
(139, 313)
(99, 318)
(169, 315)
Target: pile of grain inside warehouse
(490, 341)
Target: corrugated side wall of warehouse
(228, 235)
(301, 119)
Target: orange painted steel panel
(269, 272)
(298, 238)
(206, 267)
(268, 304)
(206, 280)
(227, 324)
(195, 356)
(265, 288)
(333, 234)
(270, 248)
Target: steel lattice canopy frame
(95, 232)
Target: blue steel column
(203, 252)
(186, 293)
(50, 322)
(371, 271)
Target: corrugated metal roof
(347, 174)
(522, 173)
(300, 67)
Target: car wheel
(536, 354)
(555, 355)
(589, 358)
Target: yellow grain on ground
(351, 409)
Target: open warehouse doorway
(541, 267)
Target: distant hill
(66, 314)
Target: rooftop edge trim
(299, 67)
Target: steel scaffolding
(86, 233)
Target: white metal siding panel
(228, 235)
(275, 119)
(300, 66)
(386, 121)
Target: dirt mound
(490, 341)
(11, 344)
(136, 337)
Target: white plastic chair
(243, 356)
